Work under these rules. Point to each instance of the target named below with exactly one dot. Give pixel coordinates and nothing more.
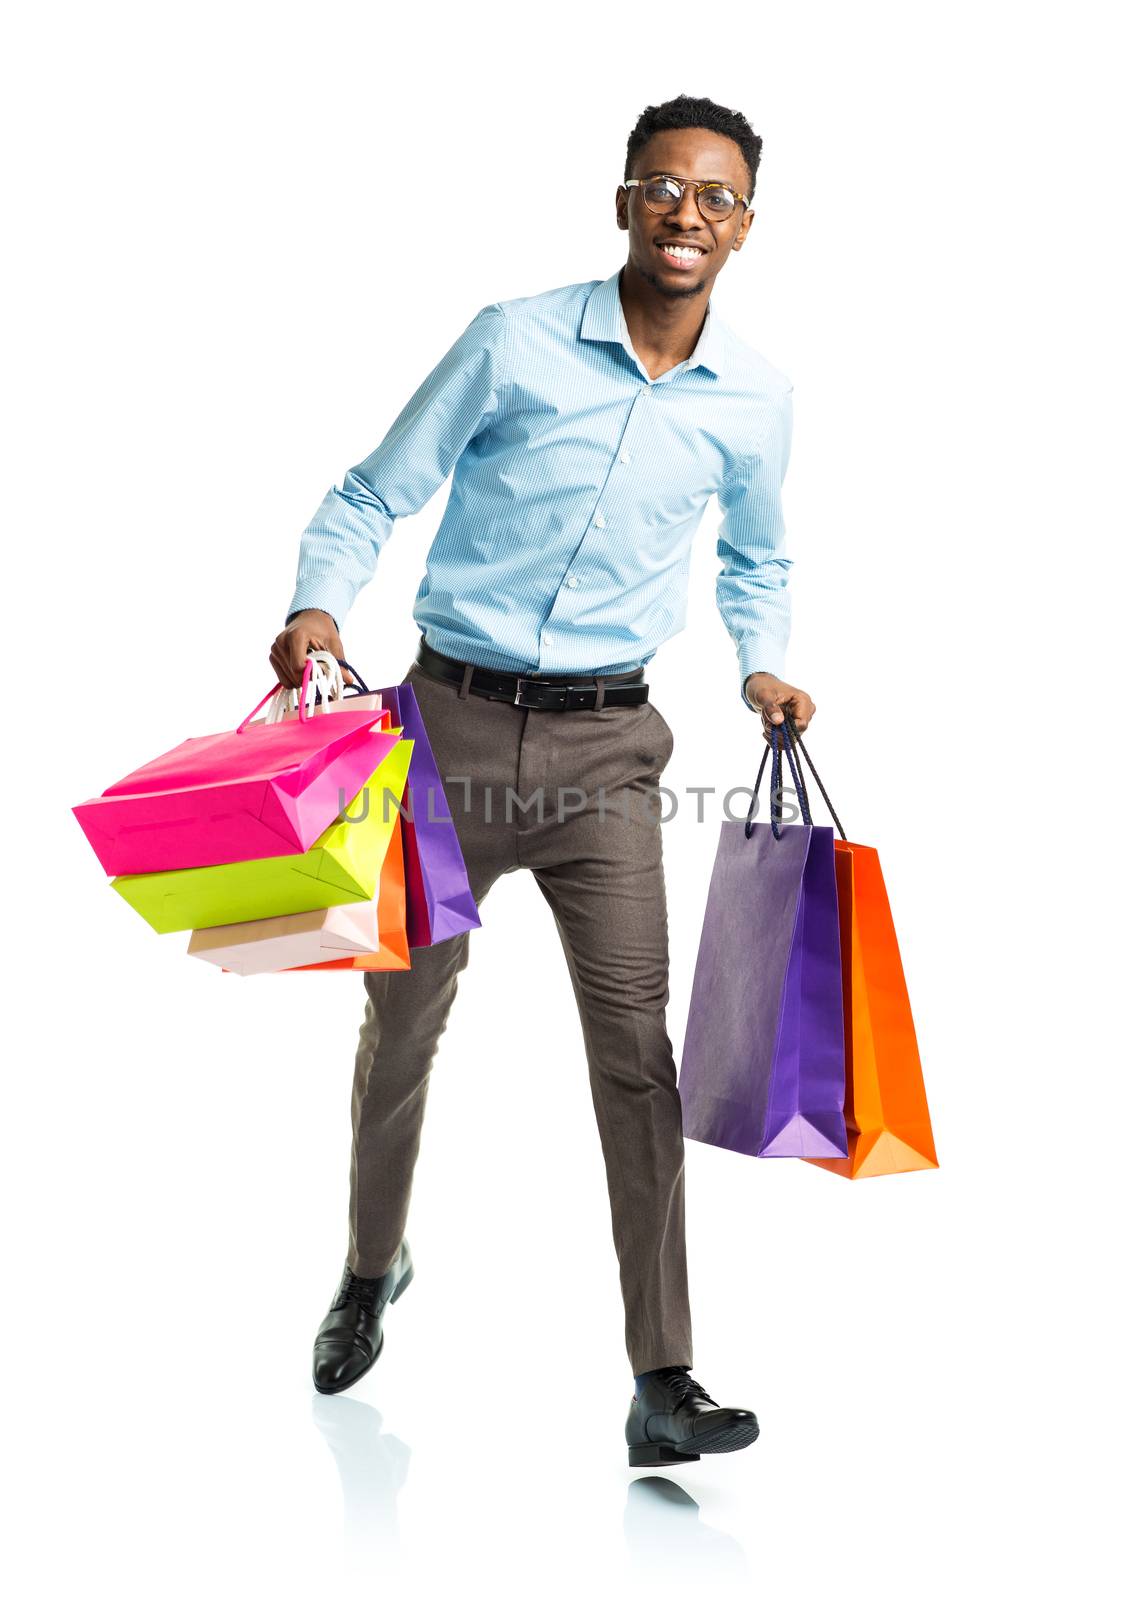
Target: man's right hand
(310, 630)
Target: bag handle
(792, 744)
(303, 715)
(776, 789)
(794, 734)
(327, 685)
(326, 682)
(361, 686)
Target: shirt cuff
(758, 655)
(321, 594)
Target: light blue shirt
(579, 483)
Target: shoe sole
(396, 1293)
(734, 1436)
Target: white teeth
(685, 251)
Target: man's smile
(678, 254)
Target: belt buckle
(538, 683)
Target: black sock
(642, 1377)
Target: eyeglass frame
(684, 184)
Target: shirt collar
(604, 319)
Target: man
(586, 428)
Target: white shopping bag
(275, 944)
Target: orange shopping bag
(888, 1126)
(391, 913)
(886, 1112)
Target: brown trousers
(572, 796)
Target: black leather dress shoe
(674, 1419)
(351, 1337)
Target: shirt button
(572, 582)
(625, 457)
(598, 519)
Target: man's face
(684, 153)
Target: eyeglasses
(663, 193)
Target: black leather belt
(541, 692)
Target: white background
(240, 236)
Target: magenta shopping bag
(268, 789)
(764, 1064)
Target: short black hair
(687, 111)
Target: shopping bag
(343, 865)
(393, 953)
(888, 1123)
(273, 944)
(439, 899)
(762, 1069)
(265, 789)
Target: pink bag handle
(303, 714)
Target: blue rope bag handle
(797, 774)
(360, 686)
(793, 734)
(776, 789)
(791, 744)
(756, 791)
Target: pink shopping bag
(264, 789)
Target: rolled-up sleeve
(752, 586)
(342, 543)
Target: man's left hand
(774, 698)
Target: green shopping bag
(342, 865)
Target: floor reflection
(667, 1539)
(373, 1467)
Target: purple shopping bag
(439, 899)
(763, 1064)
